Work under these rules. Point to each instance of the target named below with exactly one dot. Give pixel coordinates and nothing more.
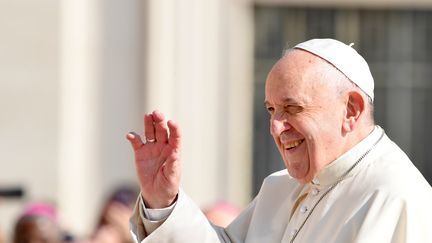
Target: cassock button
(315, 191)
(293, 232)
(303, 209)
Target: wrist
(157, 204)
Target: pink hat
(41, 209)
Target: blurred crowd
(38, 221)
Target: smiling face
(306, 113)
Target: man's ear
(355, 107)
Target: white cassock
(372, 197)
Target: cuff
(156, 214)
(153, 218)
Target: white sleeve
(156, 214)
(182, 222)
(153, 218)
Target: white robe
(384, 198)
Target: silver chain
(334, 185)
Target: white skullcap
(344, 58)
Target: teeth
(293, 144)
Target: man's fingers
(149, 129)
(175, 134)
(161, 129)
(135, 140)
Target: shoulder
(278, 177)
(392, 172)
(279, 183)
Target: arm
(158, 169)
(187, 223)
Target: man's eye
(270, 109)
(293, 109)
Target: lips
(293, 144)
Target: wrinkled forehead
(300, 76)
(297, 66)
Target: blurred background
(77, 75)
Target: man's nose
(277, 126)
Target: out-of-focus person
(113, 225)
(38, 224)
(221, 213)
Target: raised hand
(157, 160)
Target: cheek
(319, 151)
(312, 153)
(312, 148)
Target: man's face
(306, 113)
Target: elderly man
(346, 181)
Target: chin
(301, 177)
(296, 175)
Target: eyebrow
(285, 101)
